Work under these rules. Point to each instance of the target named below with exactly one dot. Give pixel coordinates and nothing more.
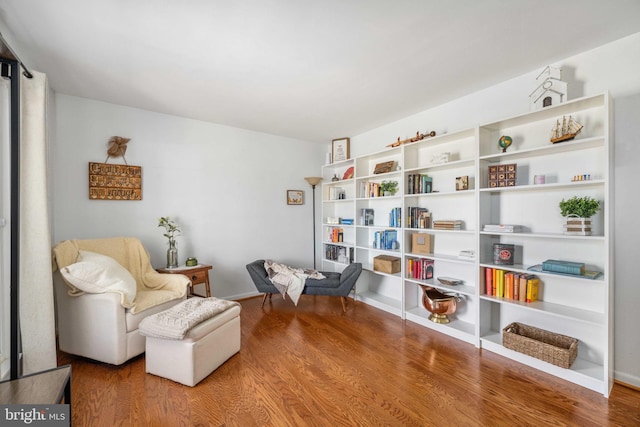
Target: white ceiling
(312, 70)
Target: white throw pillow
(96, 273)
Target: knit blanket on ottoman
(176, 322)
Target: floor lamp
(313, 181)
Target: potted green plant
(577, 212)
(389, 188)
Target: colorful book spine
(508, 285)
(500, 287)
(488, 280)
(494, 290)
(533, 284)
(522, 290)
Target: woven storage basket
(557, 349)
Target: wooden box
(386, 264)
(502, 175)
(421, 243)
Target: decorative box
(503, 175)
(421, 243)
(386, 264)
(503, 254)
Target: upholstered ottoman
(198, 344)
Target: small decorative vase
(172, 254)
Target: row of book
(338, 253)
(395, 217)
(508, 284)
(370, 189)
(418, 217)
(335, 235)
(367, 217)
(386, 239)
(420, 268)
(419, 184)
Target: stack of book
(503, 228)
(566, 270)
(420, 268)
(507, 284)
(443, 224)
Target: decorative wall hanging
(115, 182)
(294, 197)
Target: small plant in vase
(172, 230)
(578, 212)
(389, 188)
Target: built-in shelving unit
(573, 306)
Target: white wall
(224, 186)
(614, 67)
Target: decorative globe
(505, 142)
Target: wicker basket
(557, 349)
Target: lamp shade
(313, 180)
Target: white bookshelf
(573, 306)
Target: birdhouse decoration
(550, 90)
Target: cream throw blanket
(153, 288)
(175, 322)
(289, 280)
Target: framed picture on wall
(340, 149)
(294, 197)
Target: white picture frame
(340, 150)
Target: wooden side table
(198, 274)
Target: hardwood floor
(312, 365)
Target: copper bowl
(439, 304)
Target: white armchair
(101, 321)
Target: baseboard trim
(632, 387)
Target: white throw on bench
(189, 341)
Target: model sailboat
(566, 130)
